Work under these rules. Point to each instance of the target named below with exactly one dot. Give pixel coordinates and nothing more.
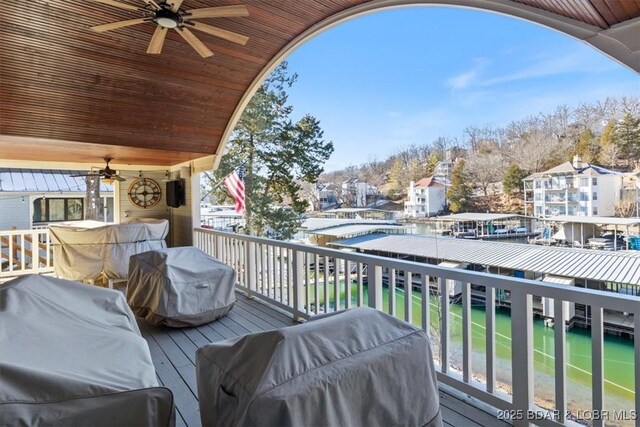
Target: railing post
(597, 363)
(375, 287)
(522, 354)
(250, 267)
(298, 283)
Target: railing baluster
(270, 255)
(425, 303)
(597, 363)
(316, 290)
(408, 296)
(325, 283)
(392, 292)
(281, 272)
(466, 332)
(23, 255)
(490, 313)
(444, 325)
(347, 284)
(290, 274)
(522, 353)
(336, 283)
(298, 268)
(636, 344)
(250, 266)
(360, 298)
(307, 283)
(559, 354)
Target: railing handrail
(609, 300)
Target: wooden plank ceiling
(70, 94)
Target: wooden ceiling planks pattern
(600, 13)
(64, 82)
(60, 81)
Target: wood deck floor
(173, 352)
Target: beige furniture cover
(72, 355)
(89, 250)
(358, 367)
(180, 287)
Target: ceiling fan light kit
(167, 15)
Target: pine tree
(432, 163)
(459, 193)
(586, 147)
(512, 182)
(278, 155)
(627, 137)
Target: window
(57, 209)
(538, 197)
(584, 182)
(538, 184)
(594, 181)
(595, 196)
(594, 211)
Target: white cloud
(553, 64)
(465, 79)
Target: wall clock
(144, 193)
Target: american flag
(235, 185)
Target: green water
(618, 352)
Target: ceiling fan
(106, 175)
(167, 14)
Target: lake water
(618, 354)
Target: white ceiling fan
(167, 14)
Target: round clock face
(144, 193)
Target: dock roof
(476, 216)
(599, 220)
(312, 224)
(350, 230)
(620, 267)
(43, 181)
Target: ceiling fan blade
(118, 178)
(195, 42)
(152, 3)
(118, 4)
(218, 12)
(157, 41)
(219, 32)
(120, 24)
(83, 175)
(175, 4)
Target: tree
(278, 155)
(627, 137)
(459, 193)
(586, 147)
(432, 163)
(485, 169)
(626, 208)
(512, 182)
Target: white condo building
(426, 198)
(573, 188)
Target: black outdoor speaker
(175, 193)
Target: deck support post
(522, 354)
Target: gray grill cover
(72, 354)
(180, 287)
(87, 250)
(359, 367)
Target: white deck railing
(304, 280)
(25, 252)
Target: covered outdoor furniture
(90, 250)
(180, 287)
(72, 355)
(358, 367)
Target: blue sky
(409, 75)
